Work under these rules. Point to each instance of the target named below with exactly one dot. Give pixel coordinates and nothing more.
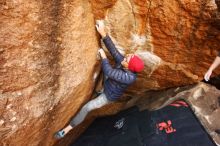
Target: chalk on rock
(2, 122)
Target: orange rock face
(48, 64)
(48, 67)
(175, 37)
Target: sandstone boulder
(49, 67)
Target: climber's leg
(98, 102)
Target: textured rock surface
(48, 60)
(205, 101)
(216, 19)
(175, 38)
(48, 65)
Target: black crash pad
(173, 125)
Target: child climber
(118, 79)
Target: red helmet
(135, 64)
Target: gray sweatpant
(97, 102)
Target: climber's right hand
(100, 27)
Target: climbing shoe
(60, 134)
